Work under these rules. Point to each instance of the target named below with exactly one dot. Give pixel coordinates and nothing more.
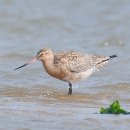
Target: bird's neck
(48, 63)
(49, 66)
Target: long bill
(29, 62)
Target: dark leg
(70, 89)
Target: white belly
(83, 75)
(76, 77)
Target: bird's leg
(70, 89)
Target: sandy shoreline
(58, 111)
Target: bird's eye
(41, 54)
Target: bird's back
(77, 62)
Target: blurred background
(93, 27)
(98, 27)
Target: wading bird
(69, 66)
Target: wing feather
(77, 62)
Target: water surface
(29, 98)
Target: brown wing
(77, 62)
(85, 62)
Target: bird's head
(45, 54)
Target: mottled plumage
(77, 62)
(71, 66)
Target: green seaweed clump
(114, 108)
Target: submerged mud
(47, 108)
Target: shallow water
(29, 98)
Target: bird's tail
(104, 61)
(112, 56)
